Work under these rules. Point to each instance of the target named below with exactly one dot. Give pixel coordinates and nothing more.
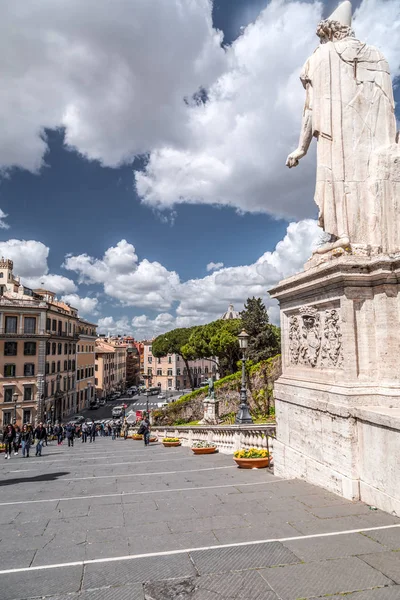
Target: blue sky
(202, 196)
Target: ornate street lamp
(243, 416)
(15, 398)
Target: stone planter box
(252, 463)
(137, 437)
(204, 450)
(153, 439)
(171, 444)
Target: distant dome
(231, 313)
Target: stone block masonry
(338, 399)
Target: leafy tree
(264, 340)
(174, 342)
(217, 339)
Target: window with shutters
(10, 348)
(30, 348)
(9, 370)
(29, 369)
(30, 325)
(11, 324)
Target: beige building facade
(38, 353)
(170, 372)
(110, 368)
(85, 365)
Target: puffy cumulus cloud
(116, 80)
(212, 266)
(85, 305)
(239, 139)
(114, 326)
(202, 300)
(3, 224)
(30, 263)
(143, 327)
(29, 256)
(119, 260)
(55, 283)
(133, 283)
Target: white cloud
(3, 224)
(124, 277)
(115, 79)
(30, 263)
(114, 326)
(29, 256)
(212, 266)
(239, 140)
(203, 300)
(55, 283)
(85, 305)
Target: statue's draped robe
(352, 117)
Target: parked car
(77, 420)
(102, 401)
(94, 405)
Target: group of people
(15, 438)
(71, 431)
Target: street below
(117, 520)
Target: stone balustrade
(227, 438)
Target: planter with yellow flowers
(253, 458)
(169, 442)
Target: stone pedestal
(211, 411)
(340, 378)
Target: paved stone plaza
(115, 520)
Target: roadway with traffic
(133, 403)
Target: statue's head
(333, 31)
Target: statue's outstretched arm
(305, 133)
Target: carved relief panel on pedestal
(315, 338)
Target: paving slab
(388, 537)
(385, 562)
(32, 584)
(323, 578)
(220, 560)
(326, 548)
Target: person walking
(26, 440)
(84, 432)
(144, 429)
(59, 431)
(17, 439)
(114, 430)
(126, 429)
(70, 433)
(92, 432)
(8, 439)
(40, 436)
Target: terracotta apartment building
(38, 352)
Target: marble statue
(349, 109)
(211, 393)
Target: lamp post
(15, 398)
(147, 404)
(243, 416)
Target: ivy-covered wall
(260, 381)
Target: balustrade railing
(227, 438)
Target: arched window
(206, 370)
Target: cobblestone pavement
(117, 521)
